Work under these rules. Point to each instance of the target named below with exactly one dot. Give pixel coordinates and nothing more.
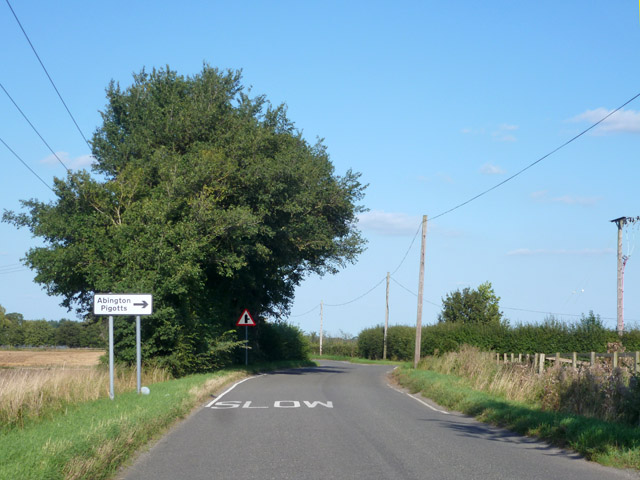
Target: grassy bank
(92, 439)
(611, 444)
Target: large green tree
(207, 198)
(479, 305)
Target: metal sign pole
(138, 352)
(111, 395)
(246, 345)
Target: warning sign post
(247, 321)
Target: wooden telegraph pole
(416, 358)
(386, 323)
(622, 262)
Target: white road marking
(421, 401)
(212, 402)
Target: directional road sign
(122, 304)
(245, 320)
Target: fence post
(592, 359)
(557, 359)
(535, 362)
(519, 358)
(636, 361)
(505, 358)
(512, 358)
(541, 370)
(574, 359)
(615, 359)
(498, 358)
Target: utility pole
(386, 323)
(622, 262)
(416, 358)
(321, 327)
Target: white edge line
(426, 404)
(212, 402)
(418, 400)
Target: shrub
(279, 341)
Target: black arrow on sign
(144, 304)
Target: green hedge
(586, 335)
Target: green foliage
(471, 306)
(278, 341)
(400, 342)
(16, 331)
(344, 345)
(206, 198)
(550, 336)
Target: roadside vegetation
(60, 423)
(592, 410)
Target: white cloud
(489, 169)
(502, 133)
(573, 200)
(623, 121)
(83, 161)
(543, 196)
(542, 251)
(385, 223)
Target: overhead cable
(34, 128)
(24, 163)
(539, 160)
(47, 73)
(359, 297)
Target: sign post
(246, 320)
(123, 304)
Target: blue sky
(433, 102)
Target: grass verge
(91, 440)
(610, 444)
(342, 358)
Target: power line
(34, 128)
(23, 162)
(358, 298)
(47, 73)
(305, 313)
(408, 249)
(539, 160)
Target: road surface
(344, 421)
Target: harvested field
(73, 358)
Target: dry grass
(598, 391)
(50, 358)
(29, 393)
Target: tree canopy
(207, 198)
(479, 305)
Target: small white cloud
(539, 195)
(385, 223)
(489, 169)
(502, 133)
(83, 161)
(623, 121)
(542, 251)
(573, 200)
(543, 196)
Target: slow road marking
(277, 404)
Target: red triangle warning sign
(245, 320)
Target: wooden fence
(538, 360)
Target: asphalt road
(344, 421)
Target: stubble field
(50, 358)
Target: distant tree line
(473, 317)
(15, 331)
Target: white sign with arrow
(122, 304)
